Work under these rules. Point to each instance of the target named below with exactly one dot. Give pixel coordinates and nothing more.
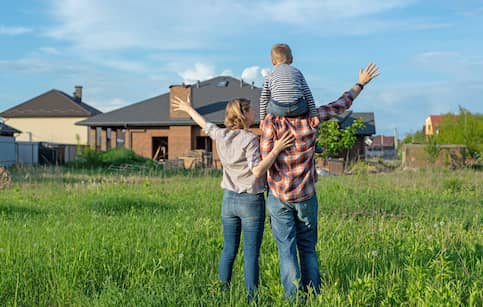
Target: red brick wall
(142, 143)
(180, 141)
(113, 138)
(181, 91)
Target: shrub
(89, 158)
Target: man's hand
(368, 73)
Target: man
(292, 200)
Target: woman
(243, 206)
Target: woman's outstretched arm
(280, 145)
(185, 106)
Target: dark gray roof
(348, 117)
(209, 99)
(53, 103)
(6, 129)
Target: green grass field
(90, 238)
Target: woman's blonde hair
(236, 114)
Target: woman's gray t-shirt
(239, 152)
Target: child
(285, 91)
(243, 207)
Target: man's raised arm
(345, 101)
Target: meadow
(94, 238)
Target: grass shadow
(13, 210)
(123, 204)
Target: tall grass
(91, 237)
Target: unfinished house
(153, 130)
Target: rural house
(431, 124)
(153, 130)
(51, 117)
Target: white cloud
(265, 71)
(14, 30)
(199, 72)
(108, 105)
(453, 65)
(125, 65)
(308, 11)
(38, 65)
(168, 25)
(227, 72)
(254, 74)
(251, 73)
(50, 50)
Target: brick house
(51, 117)
(153, 130)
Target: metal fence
(28, 152)
(12, 152)
(7, 151)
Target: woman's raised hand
(284, 142)
(182, 105)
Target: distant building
(431, 124)
(383, 147)
(51, 117)
(346, 119)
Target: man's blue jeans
(242, 211)
(294, 226)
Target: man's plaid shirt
(293, 175)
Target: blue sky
(430, 53)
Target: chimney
(181, 91)
(78, 93)
(253, 84)
(198, 84)
(241, 83)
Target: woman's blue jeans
(242, 211)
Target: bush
(89, 158)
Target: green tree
(464, 128)
(335, 140)
(414, 138)
(432, 148)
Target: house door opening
(160, 148)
